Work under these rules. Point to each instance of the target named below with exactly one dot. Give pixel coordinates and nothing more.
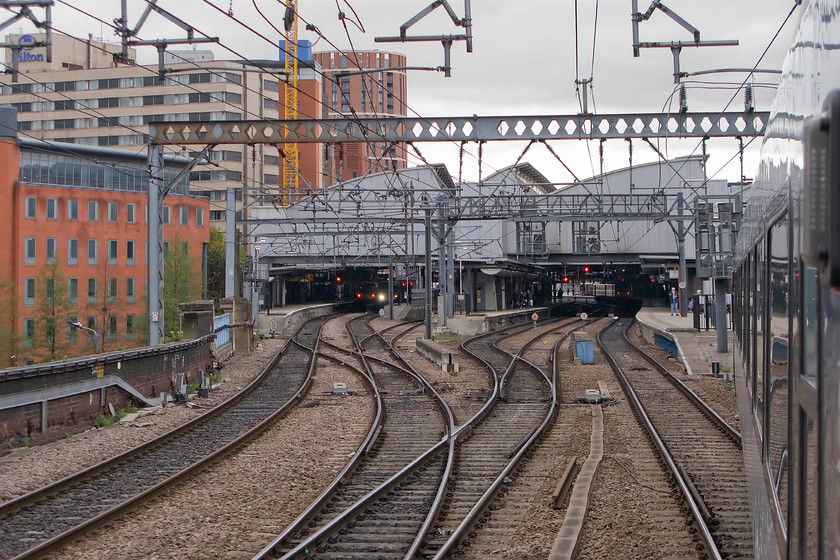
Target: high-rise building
(363, 84)
(73, 244)
(86, 97)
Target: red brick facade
(96, 238)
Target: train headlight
(381, 297)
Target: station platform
(696, 349)
(281, 318)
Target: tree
(216, 264)
(52, 313)
(106, 302)
(180, 285)
(9, 341)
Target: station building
(510, 250)
(73, 243)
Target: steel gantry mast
(446, 129)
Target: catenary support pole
(681, 248)
(230, 244)
(427, 281)
(155, 244)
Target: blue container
(304, 52)
(585, 351)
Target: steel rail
(686, 390)
(484, 501)
(696, 513)
(39, 493)
(154, 490)
(360, 453)
(349, 514)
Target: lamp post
(97, 341)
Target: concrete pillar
(240, 313)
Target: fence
(220, 327)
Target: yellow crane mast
(289, 186)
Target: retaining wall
(54, 397)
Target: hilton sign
(27, 43)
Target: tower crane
(289, 153)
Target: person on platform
(674, 300)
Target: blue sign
(28, 42)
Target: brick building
(365, 84)
(73, 234)
(86, 97)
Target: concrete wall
(147, 371)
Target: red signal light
(585, 269)
(359, 295)
(338, 278)
(565, 279)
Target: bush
(103, 421)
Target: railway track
(493, 448)
(39, 521)
(702, 451)
(378, 507)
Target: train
(786, 304)
(598, 289)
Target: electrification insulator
(683, 99)
(748, 99)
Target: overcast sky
(523, 62)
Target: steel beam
(463, 129)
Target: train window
(810, 495)
(760, 326)
(776, 409)
(810, 325)
(749, 317)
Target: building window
(199, 217)
(93, 211)
(29, 292)
(50, 289)
(112, 290)
(112, 252)
(185, 215)
(130, 257)
(29, 250)
(52, 249)
(52, 209)
(73, 291)
(113, 210)
(112, 327)
(130, 295)
(28, 332)
(31, 205)
(72, 209)
(131, 213)
(91, 290)
(91, 321)
(129, 327)
(167, 215)
(91, 251)
(217, 215)
(72, 332)
(72, 252)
